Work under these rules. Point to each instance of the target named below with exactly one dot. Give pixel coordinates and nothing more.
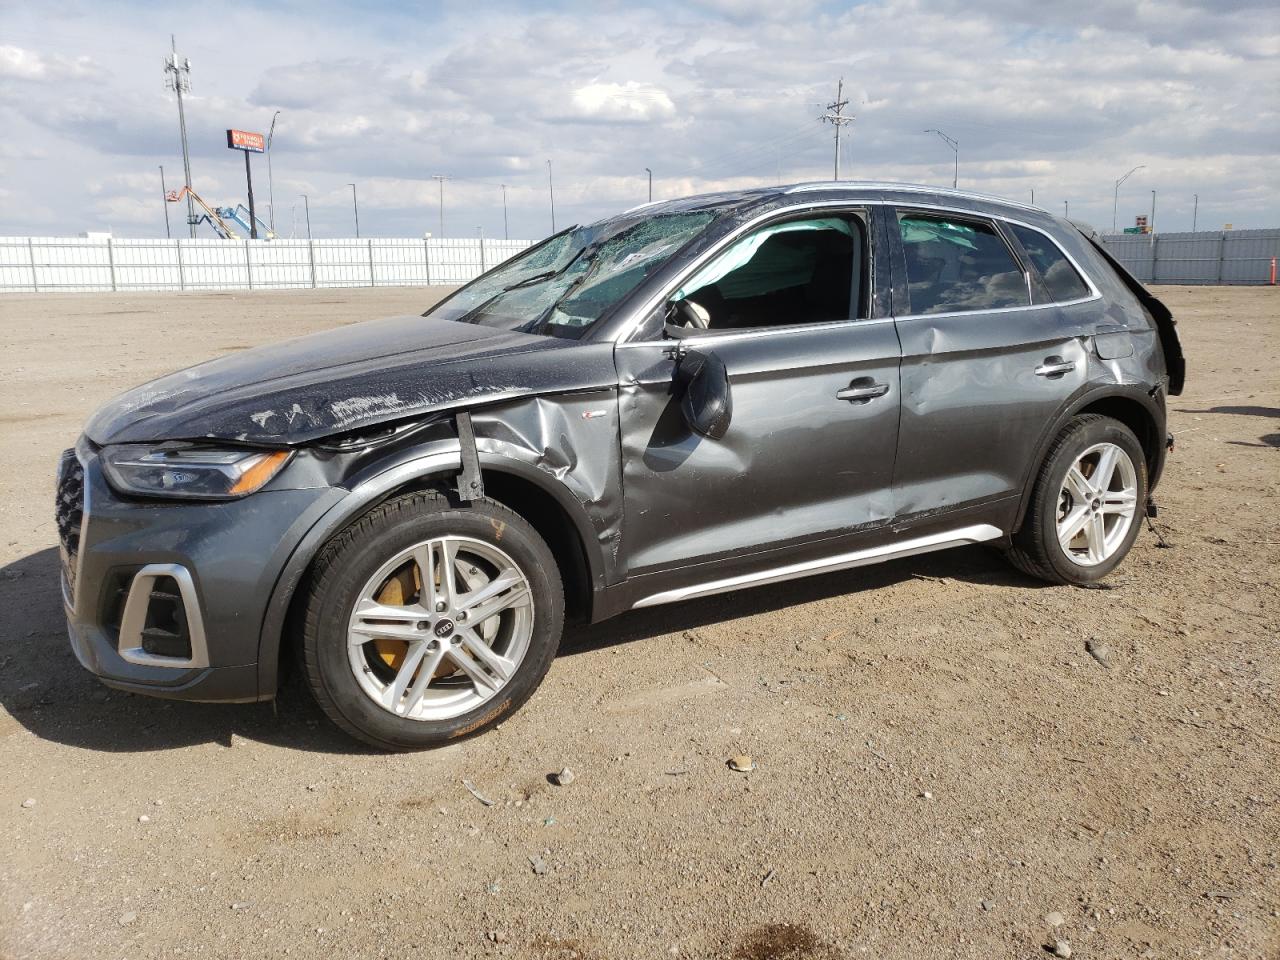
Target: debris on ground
(1099, 651)
(563, 778)
(539, 865)
(471, 789)
(742, 763)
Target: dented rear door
(983, 370)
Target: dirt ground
(941, 767)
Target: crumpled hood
(330, 382)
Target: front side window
(797, 272)
(1060, 277)
(956, 265)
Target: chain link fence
(68, 264)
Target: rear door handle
(862, 390)
(1055, 367)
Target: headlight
(186, 470)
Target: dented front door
(808, 454)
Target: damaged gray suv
(693, 397)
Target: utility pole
(551, 188)
(1152, 221)
(1115, 199)
(178, 79)
(1194, 210)
(650, 173)
(355, 208)
(954, 145)
(1033, 196)
(506, 235)
(441, 179)
(164, 198)
(306, 206)
(271, 186)
(838, 120)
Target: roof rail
(855, 185)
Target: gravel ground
(941, 769)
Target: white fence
(66, 264)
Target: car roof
(880, 190)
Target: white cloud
(709, 94)
(629, 102)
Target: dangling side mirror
(707, 403)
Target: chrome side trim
(858, 558)
(135, 618)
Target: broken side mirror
(707, 404)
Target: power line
(838, 119)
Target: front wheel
(1085, 511)
(426, 622)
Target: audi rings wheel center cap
(444, 628)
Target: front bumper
(222, 560)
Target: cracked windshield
(564, 285)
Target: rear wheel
(426, 622)
(1085, 511)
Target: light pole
(1066, 209)
(650, 173)
(1152, 221)
(1194, 210)
(954, 145)
(271, 187)
(440, 178)
(164, 198)
(506, 235)
(306, 205)
(551, 189)
(1115, 200)
(355, 207)
(1033, 196)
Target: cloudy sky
(1059, 99)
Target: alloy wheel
(1097, 504)
(440, 628)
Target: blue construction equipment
(240, 215)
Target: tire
(374, 688)
(1037, 549)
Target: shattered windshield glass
(565, 284)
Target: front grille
(68, 511)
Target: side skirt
(977, 533)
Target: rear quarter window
(1061, 279)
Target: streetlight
(441, 178)
(306, 205)
(355, 208)
(164, 198)
(1033, 196)
(1066, 209)
(505, 234)
(1194, 211)
(1115, 200)
(1152, 222)
(650, 173)
(271, 187)
(551, 189)
(954, 145)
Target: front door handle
(1055, 367)
(862, 390)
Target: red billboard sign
(244, 140)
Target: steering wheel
(686, 313)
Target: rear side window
(956, 265)
(1060, 277)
